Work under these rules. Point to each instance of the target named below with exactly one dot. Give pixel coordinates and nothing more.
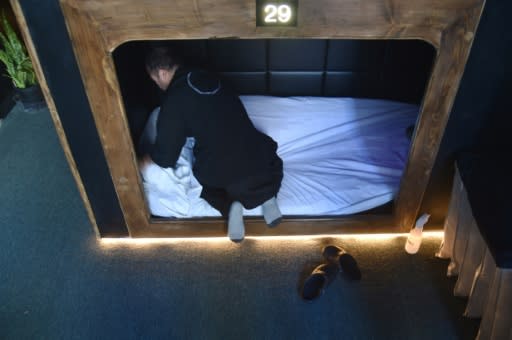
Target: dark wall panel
(296, 54)
(49, 33)
(237, 55)
(397, 70)
(355, 55)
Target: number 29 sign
(276, 13)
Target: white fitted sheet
(341, 156)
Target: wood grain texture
(123, 20)
(98, 27)
(437, 104)
(257, 227)
(98, 74)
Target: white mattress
(340, 155)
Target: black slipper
(345, 262)
(318, 281)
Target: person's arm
(170, 136)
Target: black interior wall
(51, 40)
(480, 108)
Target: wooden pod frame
(97, 28)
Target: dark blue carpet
(58, 281)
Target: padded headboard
(391, 69)
(386, 69)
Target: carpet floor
(59, 281)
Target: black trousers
(251, 191)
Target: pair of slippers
(337, 261)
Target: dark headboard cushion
(247, 82)
(387, 69)
(237, 55)
(296, 55)
(354, 68)
(394, 69)
(295, 83)
(351, 84)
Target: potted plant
(19, 68)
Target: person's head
(161, 64)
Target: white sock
(271, 212)
(236, 228)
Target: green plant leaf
(14, 55)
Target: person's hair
(159, 57)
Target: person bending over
(236, 164)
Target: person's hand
(144, 162)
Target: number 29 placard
(276, 13)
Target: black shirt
(227, 147)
